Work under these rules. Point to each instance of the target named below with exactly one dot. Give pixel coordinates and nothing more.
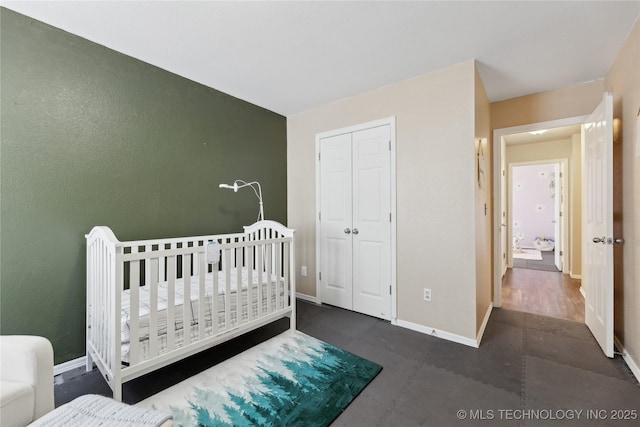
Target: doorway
(539, 214)
(548, 228)
(546, 293)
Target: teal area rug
(289, 380)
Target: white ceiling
(289, 57)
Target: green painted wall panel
(93, 137)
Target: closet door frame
(391, 122)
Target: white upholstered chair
(26, 379)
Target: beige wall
(623, 81)
(435, 191)
(484, 255)
(539, 151)
(573, 101)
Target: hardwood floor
(543, 292)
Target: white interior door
(597, 261)
(336, 247)
(355, 221)
(504, 230)
(557, 217)
(371, 231)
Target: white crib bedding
(277, 288)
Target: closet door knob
(347, 231)
(355, 231)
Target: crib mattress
(235, 300)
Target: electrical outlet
(427, 294)
(303, 270)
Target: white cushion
(17, 402)
(94, 410)
(28, 360)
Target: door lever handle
(609, 241)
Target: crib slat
(270, 308)
(234, 261)
(115, 320)
(99, 301)
(186, 300)
(278, 248)
(202, 300)
(285, 276)
(244, 297)
(102, 300)
(147, 266)
(227, 288)
(134, 309)
(89, 302)
(152, 281)
(250, 285)
(215, 317)
(171, 302)
(238, 292)
(260, 268)
(162, 267)
(106, 320)
(109, 333)
(98, 332)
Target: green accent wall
(93, 137)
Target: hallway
(545, 293)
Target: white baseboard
(438, 333)
(628, 359)
(575, 276)
(308, 298)
(69, 365)
(582, 292)
(485, 321)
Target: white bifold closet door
(355, 221)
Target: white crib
(141, 294)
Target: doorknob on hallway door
(347, 231)
(355, 231)
(609, 241)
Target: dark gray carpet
(529, 371)
(547, 263)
